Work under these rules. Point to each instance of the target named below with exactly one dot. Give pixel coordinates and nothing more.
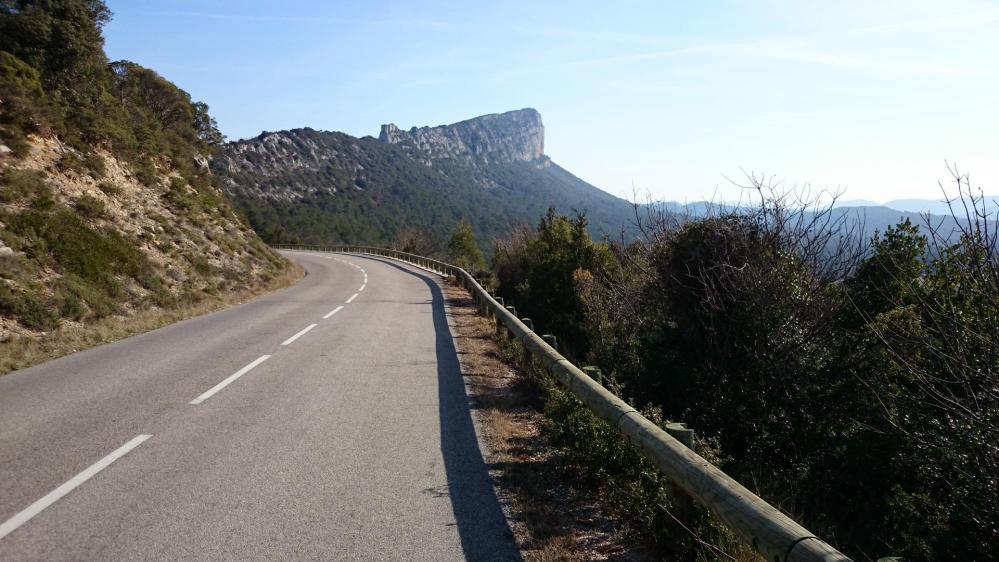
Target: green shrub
(30, 311)
(100, 304)
(96, 256)
(145, 171)
(603, 463)
(26, 107)
(72, 307)
(109, 189)
(180, 197)
(43, 202)
(72, 162)
(95, 165)
(463, 251)
(90, 207)
(19, 185)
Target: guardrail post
(683, 504)
(499, 319)
(512, 309)
(551, 340)
(594, 373)
(527, 355)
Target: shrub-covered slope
(107, 205)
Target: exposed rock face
(273, 165)
(326, 187)
(499, 137)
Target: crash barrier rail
(767, 529)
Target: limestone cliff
(496, 138)
(324, 187)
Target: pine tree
(463, 251)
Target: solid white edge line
(298, 335)
(34, 509)
(362, 287)
(352, 298)
(225, 382)
(332, 312)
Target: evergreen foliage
(864, 404)
(54, 76)
(462, 249)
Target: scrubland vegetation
(853, 383)
(107, 206)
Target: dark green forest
(856, 387)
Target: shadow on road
(482, 527)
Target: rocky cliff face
(326, 187)
(496, 138)
(293, 155)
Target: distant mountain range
(932, 206)
(325, 187)
(868, 219)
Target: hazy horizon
(668, 101)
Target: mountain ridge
(304, 185)
(517, 135)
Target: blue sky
(663, 98)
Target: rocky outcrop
(326, 187)
(289, 165)
(496, 138)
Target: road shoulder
(550, 519)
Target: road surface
(326, 421)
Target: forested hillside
(108, 210)
(322, 187)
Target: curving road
(326, 421)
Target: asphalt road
(246, 434)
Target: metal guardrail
(767, 529)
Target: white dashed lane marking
(34, 509)
(228, 380)
(299, 334)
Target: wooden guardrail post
(526, 353)
(505, 332)
(683, 504)
(594, 373)
(497, 317)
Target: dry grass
(20, 352)
(550, 519)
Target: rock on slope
(328, 187)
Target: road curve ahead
(326, 421)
